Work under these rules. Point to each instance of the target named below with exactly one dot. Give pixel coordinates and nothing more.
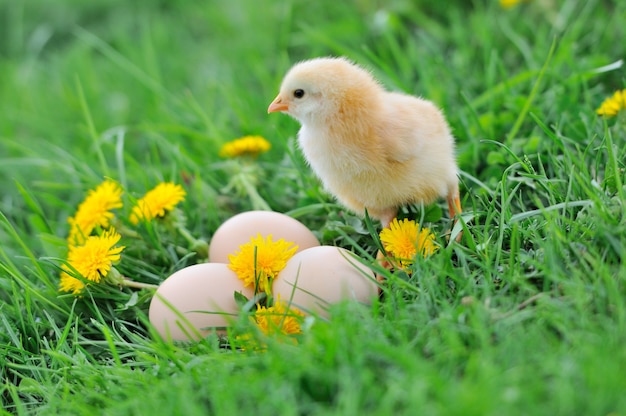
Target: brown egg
(320, 276)
(195, 300)
(239, 229)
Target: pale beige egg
(238, 230)
(321, 276)
(196, 300)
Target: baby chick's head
(317, 89)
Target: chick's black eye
(298, 93)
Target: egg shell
(319, 276)
(193, 291)
(239, 229)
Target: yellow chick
(372, 149)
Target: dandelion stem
(137, 285)
(199, 246)
(257, 200)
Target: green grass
(525, 315)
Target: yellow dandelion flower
(157, 202)
(507, 4)
(70, 284)
(95, 211)
(258, 262)
(613, 105)
(92, 260)
(279, 319)
(247, 145)
(404, 239)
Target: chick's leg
(386, 217)
(384, 262)
(454, 206)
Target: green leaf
(240, 299)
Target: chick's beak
(277, 105)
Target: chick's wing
(409, 126)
